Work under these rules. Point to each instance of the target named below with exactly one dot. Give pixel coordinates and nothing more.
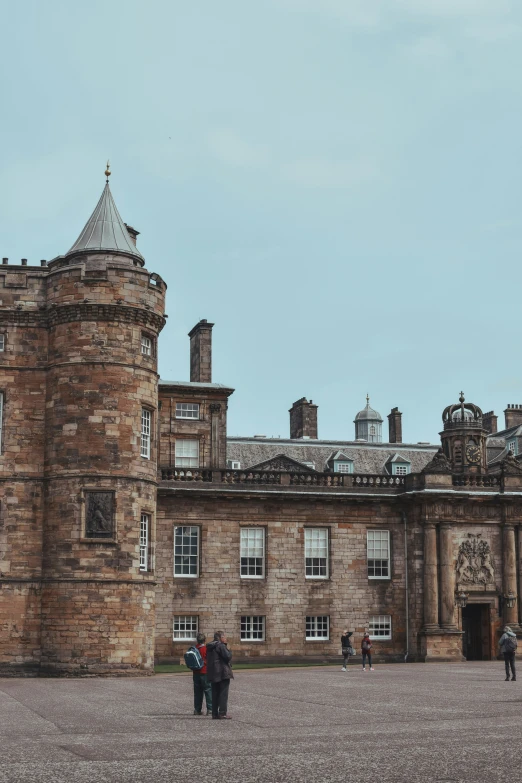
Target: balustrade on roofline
(281, 478)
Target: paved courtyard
(413, 722)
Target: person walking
(508, 648)
(366, 649)
(346, 646)
(219, 673)
(202, 686)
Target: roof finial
(367, 399)
(461, 398)
(108, 172)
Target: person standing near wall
(346, 646)
(508, 648)
(366, 649)
(202, 686)
(219, 673)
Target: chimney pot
(490, 422)
(24, 261)
(43, 262)
(5, 260)
(201, 352)
(513, 415)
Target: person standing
(346, 646)
(199, 678)
(508, 648)
(219, 673)
(366, 649)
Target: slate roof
(105, 230)
(194, 384)
(367, 457)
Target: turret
(104, 312)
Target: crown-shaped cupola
(105, 231)
(464, 437)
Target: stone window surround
(264, 528)
(327, 576)
(149, 435)
(313, 625)
(151, 353)
(250, 624)
(194, 623)
(379, 530)
(149, 555)
(186, 576)
(194, 407)
(383, 620)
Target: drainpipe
(406, 605)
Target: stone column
(509, 569)
(431, 587)
(447, 578)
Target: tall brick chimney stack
(201, 352)
(513, 414)
(303, 419)
(489, 422)
(395, 426)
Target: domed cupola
(464, 437)
(368, 424)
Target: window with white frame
(379, 626)
(187, 410)
(252, 628)
(233, 464)
(146, 417)
(146, 345)
(512, 446)
(185, 627)
(343, 467)
(186, 551)
(378, 552)
(252, 552)
(309, 464)
(316, 552)
(318, 627)
(2, 342)
(399, 469)
(187, 453)
(144, 542)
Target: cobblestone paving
(424, 723)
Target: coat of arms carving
(474, 562)
(99, 514)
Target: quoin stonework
(129, 520)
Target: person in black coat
(346, 645)
(219, 674)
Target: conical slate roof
(105, 230)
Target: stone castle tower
(78, 467)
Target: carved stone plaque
(99, 514)
(474, 564)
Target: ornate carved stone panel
(474, 562)
(99, 514)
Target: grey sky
(336, 184)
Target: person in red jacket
(200, 680)
(366, 649)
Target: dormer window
(400, 470)
(343, 466)
(398, 465)
(512, 446)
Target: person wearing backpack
(200, 681)
(366, 649)
(508, 648)
(346, 646)
(219, 674)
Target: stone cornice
(82, 311)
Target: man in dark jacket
(219, 673)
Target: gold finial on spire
(108, 171)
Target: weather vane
(108, 171)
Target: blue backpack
(193, 659)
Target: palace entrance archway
(476, 641)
